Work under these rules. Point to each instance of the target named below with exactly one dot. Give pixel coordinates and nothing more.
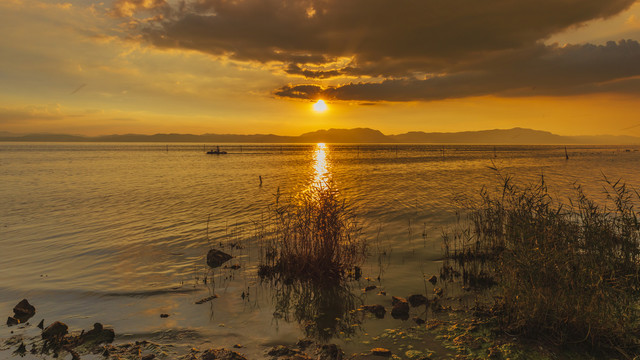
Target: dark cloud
(422, 49)
(295, 69)
(540, 70)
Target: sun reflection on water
(321, 175)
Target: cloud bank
(401, 50)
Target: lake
(118, 232)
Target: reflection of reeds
(324, 311)
(570, 273)
(312, 237)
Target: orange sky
(257, 66)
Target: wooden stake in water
(495, 155)
(566, 154)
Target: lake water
(118, 233)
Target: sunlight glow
(320, 106)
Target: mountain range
(515, 136)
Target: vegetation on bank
(313, 236)
(566, 273)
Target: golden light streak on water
(321, 175)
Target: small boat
(216, 152)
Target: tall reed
(314, 236)
(566, 272)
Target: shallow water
(117, 233)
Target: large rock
(215, 258)
(221, 354)
(55, 331)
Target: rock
(221, 354)
(41, 324)
(21, 350)
(418, 320)
(204, 300)
(237, 346)
(303, 344)
(400, 309)
(23, 311)
(215, 258)
(377, 310)
(433, 279)
(98, 335)
(55, 331)
(282, 350)
(164, 315)
(397, 299)
(370, 287)
(417, 300)
(12, 321)
(381, 352)
(330, 352)
(438, 291)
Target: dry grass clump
(312, 237)
(566, 273)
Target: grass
(313, 237)
(566, 273)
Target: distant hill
(515, 136)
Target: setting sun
(320, 106)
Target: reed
(314, 236)
(567, 273)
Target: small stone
(164, 315)
(382, 293)
(41, 324)
(377, 310)
(400, 309)
(237, 346)
(209, 298)
(370, 287)
(433, 279)
(417, 300)
(303, 344)
(215, 258)
(221, 354)
(418, 320)
(397, 299)
(330, 352)
(438, 291)
(98, 335)
(24, 310)
(55, 331)
(381, 352)
(282, 350)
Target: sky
(571, 67)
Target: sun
(320, 106)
